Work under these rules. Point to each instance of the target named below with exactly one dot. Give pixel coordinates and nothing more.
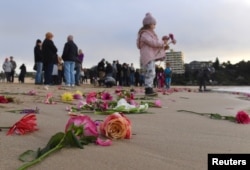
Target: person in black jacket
(22, 73)
(38, 62)
(49, 52)
(70, 53)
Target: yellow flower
(78, 92)
(67, 96)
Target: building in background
(176, 61)
(194, 66)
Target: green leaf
(53, 142)
(72, 140)
(28, 156)
(106, 112)
(88, 139)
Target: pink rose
(89, 126)
(158, 103)
(242, 117)
(165, 37)
(116, 126)
(77, 96)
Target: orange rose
(116, 126)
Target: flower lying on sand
(78, 95)
(49, 99)
(25, 125)
(25, 111)
(116, 126)
(4, 99)
(79, 131)
(241, 117)
(156, 103)
(67, 97)
(124, 107)
(32, 92)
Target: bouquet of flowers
(79, 131)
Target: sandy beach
(163, 139)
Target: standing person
(108, 70)
(12, 73)
(49, 52)
(160, 78)
(78, 67)
(203, 76)
(119, 73)
(151, 50)
(70, 53)
(168, 75)
(38, 61)
(114, 70)
(137, 77)
(22, 73)
(7, 67)
(101, 71)
(132, 74)
(60, 70)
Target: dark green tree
(216, 64)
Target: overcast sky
(204, 29)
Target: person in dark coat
(203, 76)
(22, 73)
(69, 56)
(49, 52)
(38, 67)
(101, 71)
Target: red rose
(242, 117)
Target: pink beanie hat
(148, 20)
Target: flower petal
(105, 142)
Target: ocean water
(239, 89)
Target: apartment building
(176, 61)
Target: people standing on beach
(119, 73)
(49, 52)
(22, 73)
(78, 67)
(168, 75)
(203, 76)
(12, 73)
(151, 49)
(70, 53)
(38, 62)
(101, 71)
(160, 78)
(7, 67)
(60, 70)
(132, 74)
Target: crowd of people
(53, 69)
(8, 73)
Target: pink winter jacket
(150, 47)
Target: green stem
(37, 160)
(4, 128)
(202, 114)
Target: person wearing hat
(12, 73)
(38, 62)
(151, 49)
